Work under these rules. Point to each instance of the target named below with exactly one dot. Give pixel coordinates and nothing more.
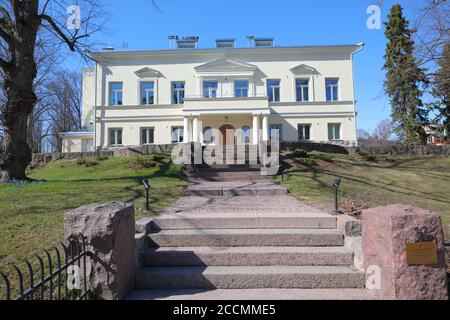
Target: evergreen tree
(404, 79)
(441, 90)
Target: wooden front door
(223, 132)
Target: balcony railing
(225, 97)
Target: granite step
(248, 277)
(243, 187)
(250, 256)
(245, 237)
(229, 176)
(310, 220)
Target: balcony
(225, 104)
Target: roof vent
(187, 42)
(109, 48)
(224, 43)
(263, 42)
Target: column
(265, 128)
(195, 132)
(186, 130)
(255, 129)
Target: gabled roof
(147, 72)
(304, 69)
(225, 65)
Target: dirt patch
(352, 207)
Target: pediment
(225, 65)
(148, 73)
(304, 69)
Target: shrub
(389, 159)
(102, 157)
(157, 157)
(300, 153)
(307, 162)
(90, 163)
(371, 158)
(325, 157)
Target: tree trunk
(19, 75)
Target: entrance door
(227, 139)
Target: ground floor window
(334, 131)
(304, 131)
(275, 132)
(245, 135)
(115, 136)
(147, 135)
(177, 134)
(207, 135)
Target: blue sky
(290, 22)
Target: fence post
(109, 233)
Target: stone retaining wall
(373, 150)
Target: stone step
(248, 277)
(246, 237)
(248, 256)
(228, 168)
(253, 294)
(229, 176)
(240, 188)
(313, 220)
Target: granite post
(109, 230)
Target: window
(147, 92)
(207, 135)
(304, 131)
(177, 92)
(332, 89)
(334, 131)
(115, 137)
(275, 132)
(241, 89)
(245, 134)
(302, 89)
(147, 135)
(177, 134)
(115, 93)
(273, 90)
(209, 89)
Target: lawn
(31, 214)
(422, 181)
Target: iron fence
(60, 275)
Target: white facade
(128, 96)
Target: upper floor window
(209, 89)
(177, 134)
(115, 136)
(304, 131)
(273, 90)
(147, 92)
(241, 89)
(115, 93)
(177, 92)
(302, 89)
(332, 89)
(147, 135)
(275, 132)
(334, 131)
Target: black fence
(59, 275)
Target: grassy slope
(422, 181)
(31, 215)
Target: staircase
(245, 254)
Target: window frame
(334, 131)
(302, 87)
(110, 130)
(337, 85)
(181, 130)
(147, 97)
(304, 131)
(147, 136)
(235, 88)
(211, 140)
(115, 92)
(273, 90)
(280, 131)
(210, 89)
(177, 91)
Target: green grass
(31, 214)
(422, 181)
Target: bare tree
(384, 130)
(21, 22)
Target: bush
(300, 153)
(90, 163)
(371, 158)
(307, 162)
(389, 159)
(325, 157)
(102, 158)
(157, 157)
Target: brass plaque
(421, 253)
